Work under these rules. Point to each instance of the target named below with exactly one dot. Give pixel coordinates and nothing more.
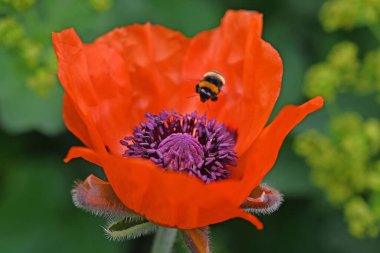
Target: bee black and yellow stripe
(211, 86)
(213, 81)
(215, 75)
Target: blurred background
(328, 168)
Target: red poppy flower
(112, 83)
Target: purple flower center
(185, 143)
(181, 151)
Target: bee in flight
(210, 86)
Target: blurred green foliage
(348, 14)
(36, 213)
(345, 157)
(343, 71)
(346, 167)
(100, 5)
(337, 73)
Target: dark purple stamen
(187, 143)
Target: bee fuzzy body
(210, 86)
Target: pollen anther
(184, 143)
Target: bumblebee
(210, 86)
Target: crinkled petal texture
(130, 71)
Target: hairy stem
(164, 240)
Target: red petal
(251, 218)
(262, 155)
(90, 74)
(252, 68)
(94, 77)
(76, 122)
(97, 77)
(85, 153)
(80, 125)
(154, 54)
(97, 196)
(167, 198)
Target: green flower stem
(164, 240)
